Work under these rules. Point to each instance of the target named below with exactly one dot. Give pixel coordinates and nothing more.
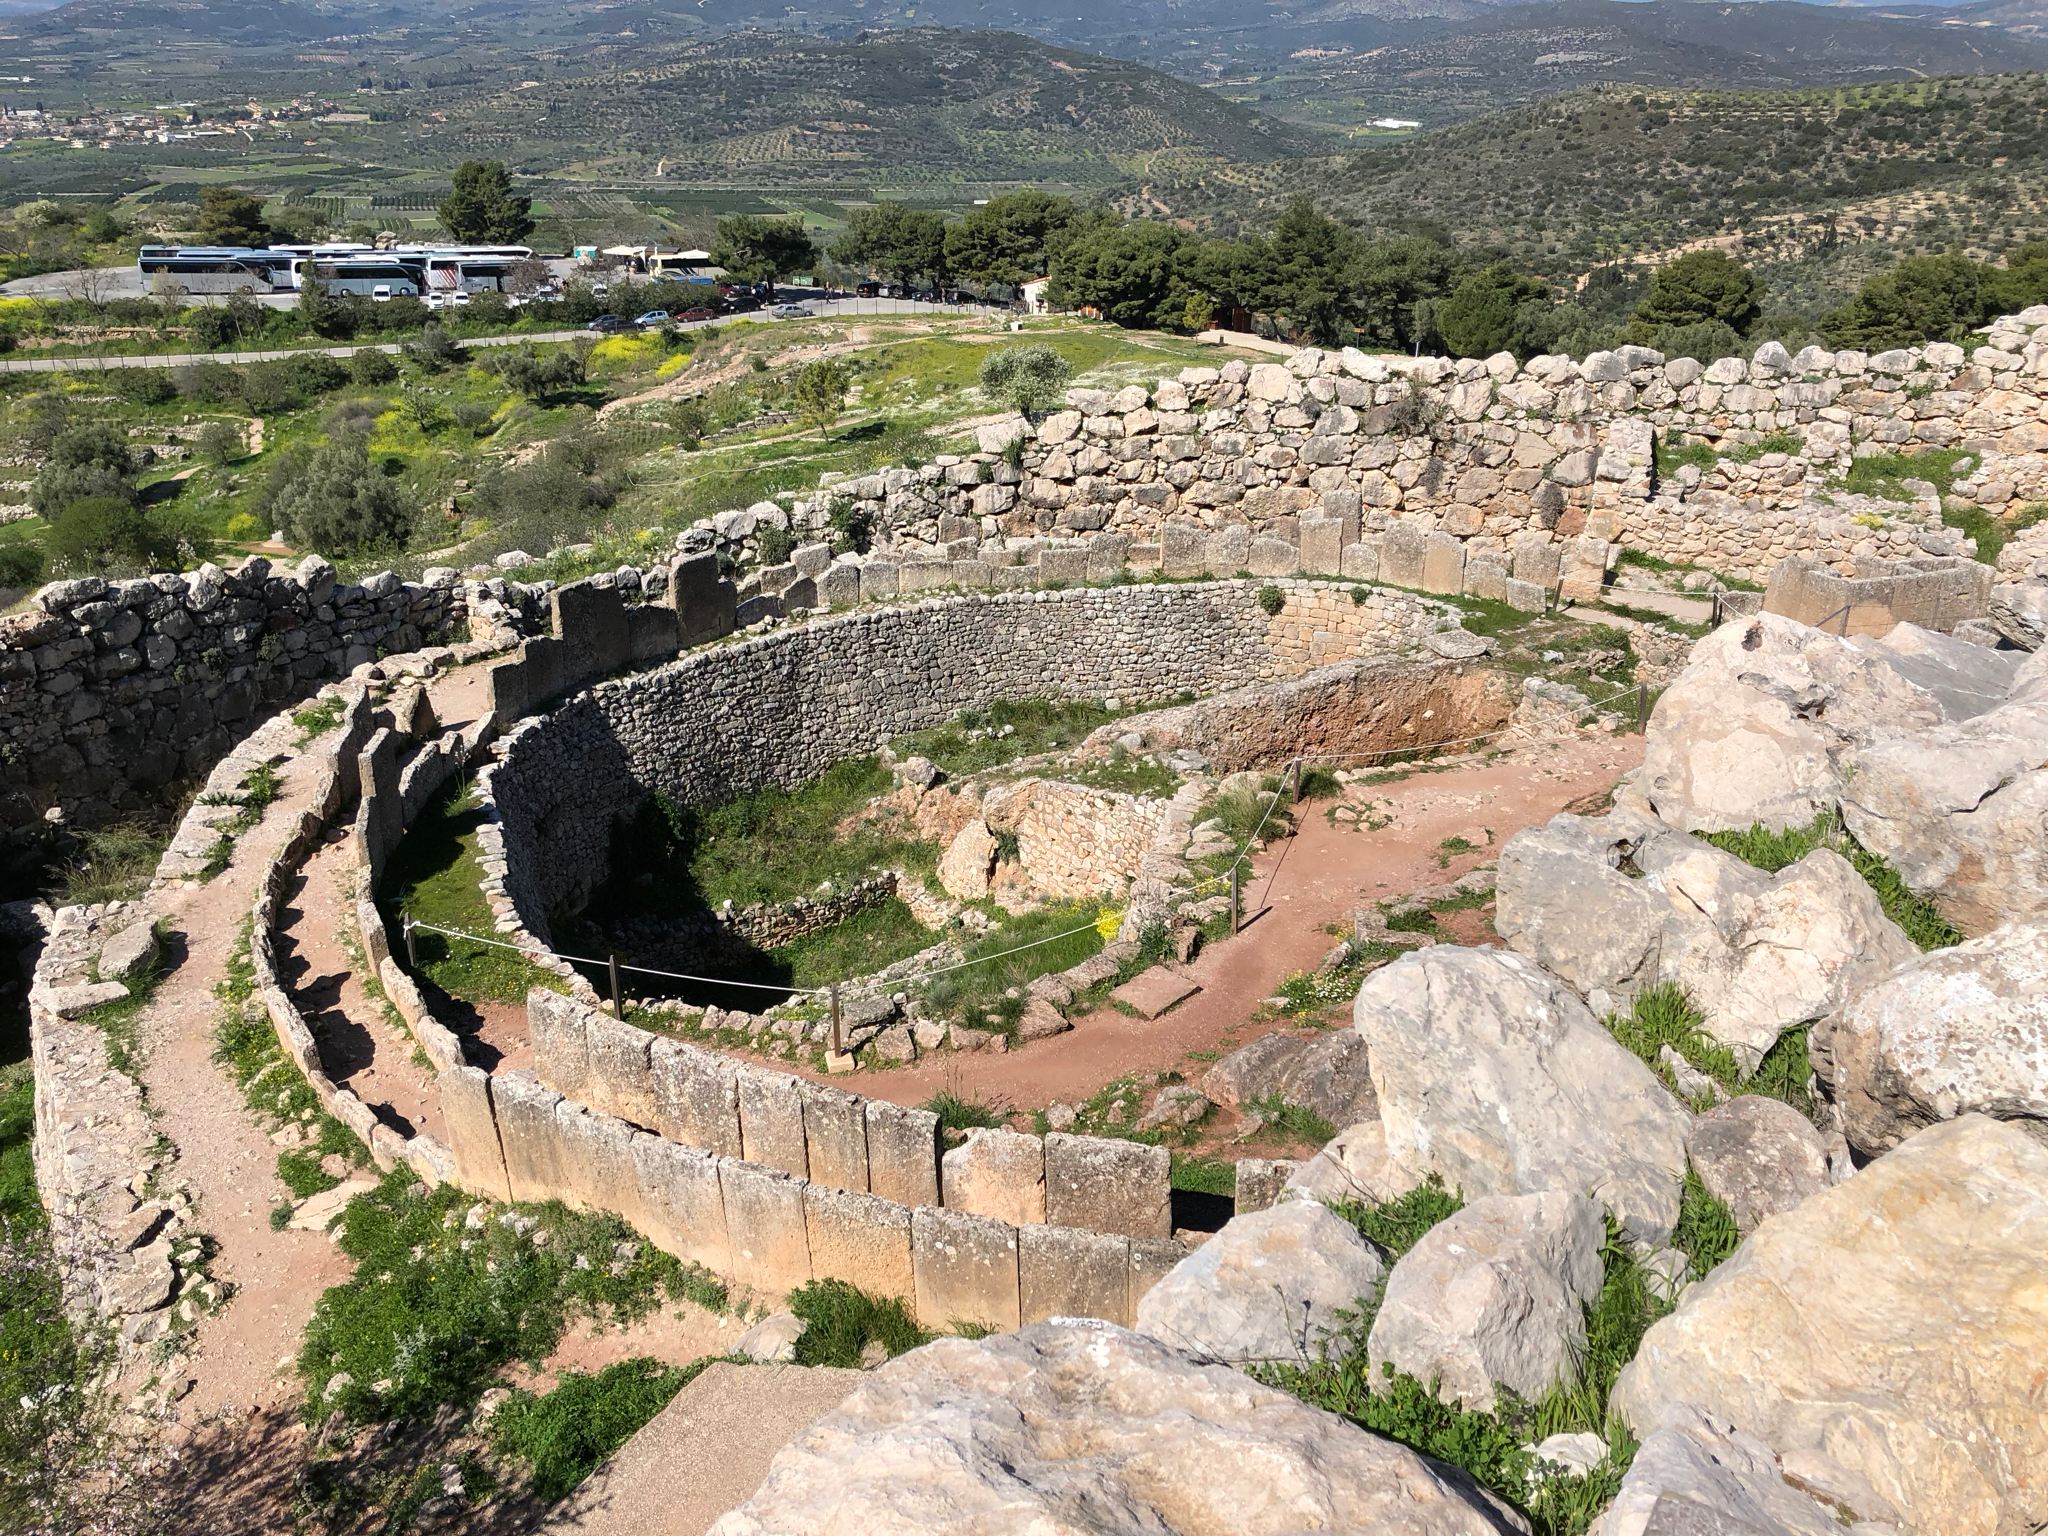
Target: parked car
(609, 323)
(790, 312)
(700, 313)
(652, 317)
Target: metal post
(1233, 899)
(838, 1045)
(1642, 707)
(618, 1009)
(412, 953)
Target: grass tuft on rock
(1706, 1232)
(842, 1321)
(1773, 851)
(1397, 1225)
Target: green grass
(1773, 851)
(434, 876)
(1295, 1122)
(317, 719)
(1885, 474)
(113, 863)
(961, 1115)
(1054, 938)
(1672, 457)
(868, 941)
(1124, 774)
(436, 1308)
(1706, 1231)
(1397, 1225)
(842, 1321)
(1663, 1015)
(1204, 1175)
(564, 1434)
(976, 741)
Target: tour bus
(217, 268)
(345, 267)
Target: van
(381, 294)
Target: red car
(698, 314)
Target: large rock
(967, 863)
(1966, 680)
(1328, 1074)
(1570, 895)
(1079, 1427)
(1895, 1324)
(1353, 1165)
(1697, 1477)
(1494, 1294)
(2020, 610)
(1491, 1074)
(1959, 1031)
(1765, 954)
(1269, 1286)
(1758, 1157)
(1759, 725)
(1958, 811)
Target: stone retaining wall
(783, 707)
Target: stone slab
(1151, 993)
(860, 1239)
(965, 1269)
(1101, 1184)
(903, 1153)
(1065, 1273)
(764, 1223)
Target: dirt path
(1299, 888)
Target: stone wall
(1477, 477)
(110, 690)
(783, 707)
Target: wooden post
(1297, 782)
(412, 953)
(838, 1044)
(1642, 707)
(1233, 898)
(618, 1008)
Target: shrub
(1272, 599)
(268, 388)
(1031, 379)
(774, 545)
(371, 368)
(566, 1433)
(315, 373)
(343, 505)
(89, 462)
(436, 350)
(143, 386)
(22, 563)
(109, 533)
(221, 442)
(958, 1114)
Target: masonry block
(1443, 564)
(1062, 562)
(1065, 1273)
(473, 1132)
(590, 621)
(620, 1080)
(1486, 580)
(1104, 1185)
(772, 1120)
(1229, 550)
(1322, 545)
(696, 1097)
(682, 1202)
(528, 1133)
(997, 1173)
(860, 1239)
(1152, 1260)
(835, 1136)
(1260, 1180)
(764, 1223)
(1107, 553)
(1184, 548)
(1536, 561)
(1583, 569)
(597, 1163)
(652, 634)
(703, 599)
(1525, 596)
(879, 579)
(923, 575)
(1403, 548)
(903, 1153)
(839, 587)
(965, 1268)
(1360, 561)
(561, 1052)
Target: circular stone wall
(782, 708)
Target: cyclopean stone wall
(783, 707)
(110, 690)
(1487, 478)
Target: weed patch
(1294, 1122)
(1007, 730)
(1706, 1231)
(1394, 1226)
(978, 994)
(1203, 1175)
(842, 1321)
(317, 719)
(566, 1433)
(871, 939)
(113, 864)
(1663, 1015)
(1773, 851)
(957, 1116)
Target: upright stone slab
(561, 1054)
(860, 1239)
(1443, 564)
(1486, 580)
(597, 1163)
(1152, 1260)
(923, 575)
(1063, 563)
(997, 1173)
(590, 621)
(1525, 596)
(879, 579)
(1402, 550)
(1322, 545)
(1104, 1185)
(1229, 550)
(651, 634)
(764, 1223)
(472, 1130)
(1065, 1273)
(1270, 556)
(696, 1097)
(1259, 1182)
(682, 1202)
(703, 600)
(772, 1120)
(965, 1269)
(542, 660)
(620, 1080)
(839, 587)
(1106, 555)
(1536, 561)
(903, 1153)
(1184, 548)
(835, 1137)
(1583, 570)
(527, 1132)
(1360, 561)
(509, 694)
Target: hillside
(1526, 52)
(1806, 177)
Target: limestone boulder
(1086, 1427)
(1760, 724)
(1893, 1324)
(1269, 1286)
(1491, 1074)
(1958, 811)
(1353, 1165)
(1758, 1156)
(967, 863)
(1570, 895)
(1955, 1032)
(1494, 1295)
(1762, 954)
(130, 954)
(1328, 1074)
(1695, 1474)
(2020, 610)
(1966, 680)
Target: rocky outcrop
(1696, 1474)
(1760, 725)
(1269, 1286)
(1073, 1427)
(1892, 1324)
(1491, 1074)
(1959, 1031)
(1758, 1157)
(1494, 1294)
(1327, 1074)
(1570, 895)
